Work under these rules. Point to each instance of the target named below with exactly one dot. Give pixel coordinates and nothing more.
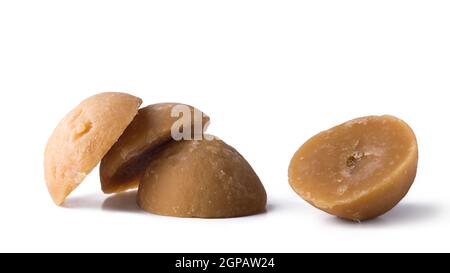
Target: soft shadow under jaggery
(122, 202)
(402, 214)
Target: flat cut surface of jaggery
(358, 170)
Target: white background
(269, 73)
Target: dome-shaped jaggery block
(123, 166)
(83, 137)
(358, 170)
(201, 179)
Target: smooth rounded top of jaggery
(202, 178)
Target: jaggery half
(201, 179)
(358, 170)
(83, 137)
(123, 166)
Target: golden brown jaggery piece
(124, 164)
(201, 179)
(83, 137)
(358, 170)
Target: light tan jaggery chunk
(83, 137)
(201, 179)
(358, 170)
(123, 166)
